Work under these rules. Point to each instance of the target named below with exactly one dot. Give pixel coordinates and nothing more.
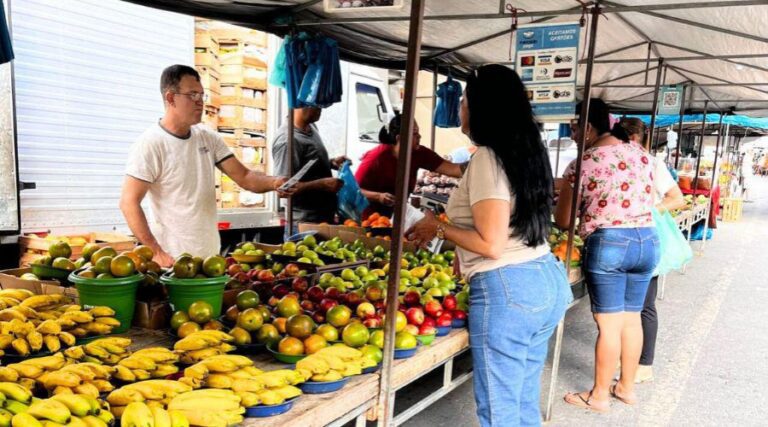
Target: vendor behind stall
(377, 172)
(315, 197)
(175, 162)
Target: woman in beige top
(500, 219)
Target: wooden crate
(230, 199)
(32, 248)
(239, 95)
(240, 35)
(210, 79)
(732, 209)
(211, 117)
(238, 116)
(242, 134)
(249, 76)
(207, 59)
(205, 42)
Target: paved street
(712, 354)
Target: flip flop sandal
(576, 399)
(612, 390)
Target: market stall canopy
(719, 48)
(758, 125)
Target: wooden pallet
(244, 75)
(210, 78)
(238, 116)
(239, 95)
(207, 59)
(205, 42)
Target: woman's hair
(599, 117)
(501, 118)
(633, 126)
(388, 134)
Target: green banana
(76, 403)
(15, 407)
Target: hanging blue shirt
(448, 104)
(6, 51)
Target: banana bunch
(252, 385)
(108, 351)
(153, 362)
(13, 297)
(153, 393)
(139, 414)
(94, 322)
(65, 409)
(201, 345)
(209, 407)
(59, 376)
(333, 363)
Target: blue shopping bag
(674, 248)
(352, 203)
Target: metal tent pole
(386, 401)
(680, 127)
(434, 108)
(291, 166)
(583, 118)
(655, 108)
(701, 145)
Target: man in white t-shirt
(175, 160)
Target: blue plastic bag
(351, 201)
(279, 75)
(674, 248)
(698, 232)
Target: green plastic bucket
(118, 294)
(183, 292)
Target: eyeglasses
(195, 96)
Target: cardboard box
(328, 232)
(10, 279)
(57, 289)
(152, 315)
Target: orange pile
(376, 220)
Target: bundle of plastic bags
(308, 68)
(351, 201)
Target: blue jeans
(514, 310)
(619, 264)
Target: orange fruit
(291, 346)
(187, 328)
(300, 326)
(314, 343)
(145, 252)
(280, 324)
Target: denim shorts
(619, 264)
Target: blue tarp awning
(735, 120)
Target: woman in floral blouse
(621, 248)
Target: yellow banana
(76, 352)
(78, 316)
(95, 350)
(27, 371)
(25, 420)
(49, 327)
(197, 371)
(103, 386)
(161, 417)
(158, 354)
(161, 388)
(142, 375)
(102, 311)
(178, 419)
(15, 407)
(17, 294)
(52, 343)
(13, 391)
(118, 341)
(62, 378)
(35, 340)
(8, 374)
(288, 391)
(21, 346)
(269, 397)
(62, 390)
(124, 374)
(109, 321)
(164, 370)
(137, 414)
(5, 418)
(99, 371)
(102, 329)
(78, 405)
(138, 362)
(66, 322)
(123, 396)
(107, 416)
(248, 399)
(5, 341)
(28, 383)
(50, 409)
(219, 381)
(117, 411)
(9, 314)
(67, 339)
(81, 371)
(190, 343)
(219, 336)
(87, 389)
(92, 421)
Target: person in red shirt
(377, 172)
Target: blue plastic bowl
(443, 331)
(313, 387)
(262, 411)
(300, 236)
(371, 369)
(405, 353)
(459, 323)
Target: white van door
(369, 110)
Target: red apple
(415, 316)
(291, 270)
(365, 310)
(380, 305)
(427, 330)
(333, 293)
(353, 300)
(315, 293)
(241, 277)
(327, 303)
(308, 305)
(318, 317)
(429, 321)
(234, 269)
(412, 298)
(459, 314)
(280, 290)
(300, 284)
(449, 302)
(444, 320)
(253, 274)
(433, 308)
(230, 261)
(266, 276)
(372, 322)
(412, 329)
(381, 312)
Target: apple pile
(424, 319)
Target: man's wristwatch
(441, 231)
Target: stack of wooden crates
(232, 62)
